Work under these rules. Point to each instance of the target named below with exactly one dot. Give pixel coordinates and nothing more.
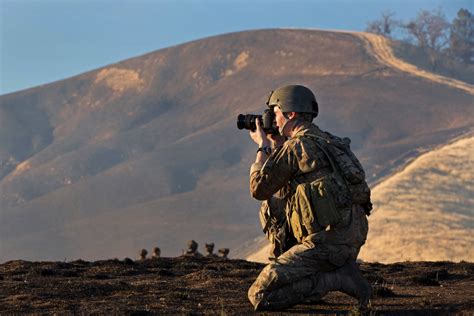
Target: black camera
(249, 121)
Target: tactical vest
(326, 202)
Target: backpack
(326, 201)
(346, 167)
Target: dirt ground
(194, 286)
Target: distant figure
(143, 254)
(156, 253)
(210, 250)
(224, 252)
(192, 249)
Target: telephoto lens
(267, 121)
(248, 121)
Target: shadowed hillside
(145, 152)
(445, 66)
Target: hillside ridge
(380, 48)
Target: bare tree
(461, 38)
(384, 26)
(430, 32)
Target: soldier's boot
(323, 283)
(347, 279)
(354, 284)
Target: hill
(145, 152)
(215, 286)
(425, 212)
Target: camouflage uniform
(301, 269)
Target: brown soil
(217, 286)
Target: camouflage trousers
(298, 275)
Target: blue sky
(42, 41)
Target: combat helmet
(294, 98)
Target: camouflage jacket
(299, 160)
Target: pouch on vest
(275, 227)
(346, 164)
(313, 207)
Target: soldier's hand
(259, 136)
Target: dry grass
(425, 212)
(120, 80)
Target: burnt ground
(186, 285)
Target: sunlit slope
(426, 211)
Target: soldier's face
(279, 117)
(281, 120)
